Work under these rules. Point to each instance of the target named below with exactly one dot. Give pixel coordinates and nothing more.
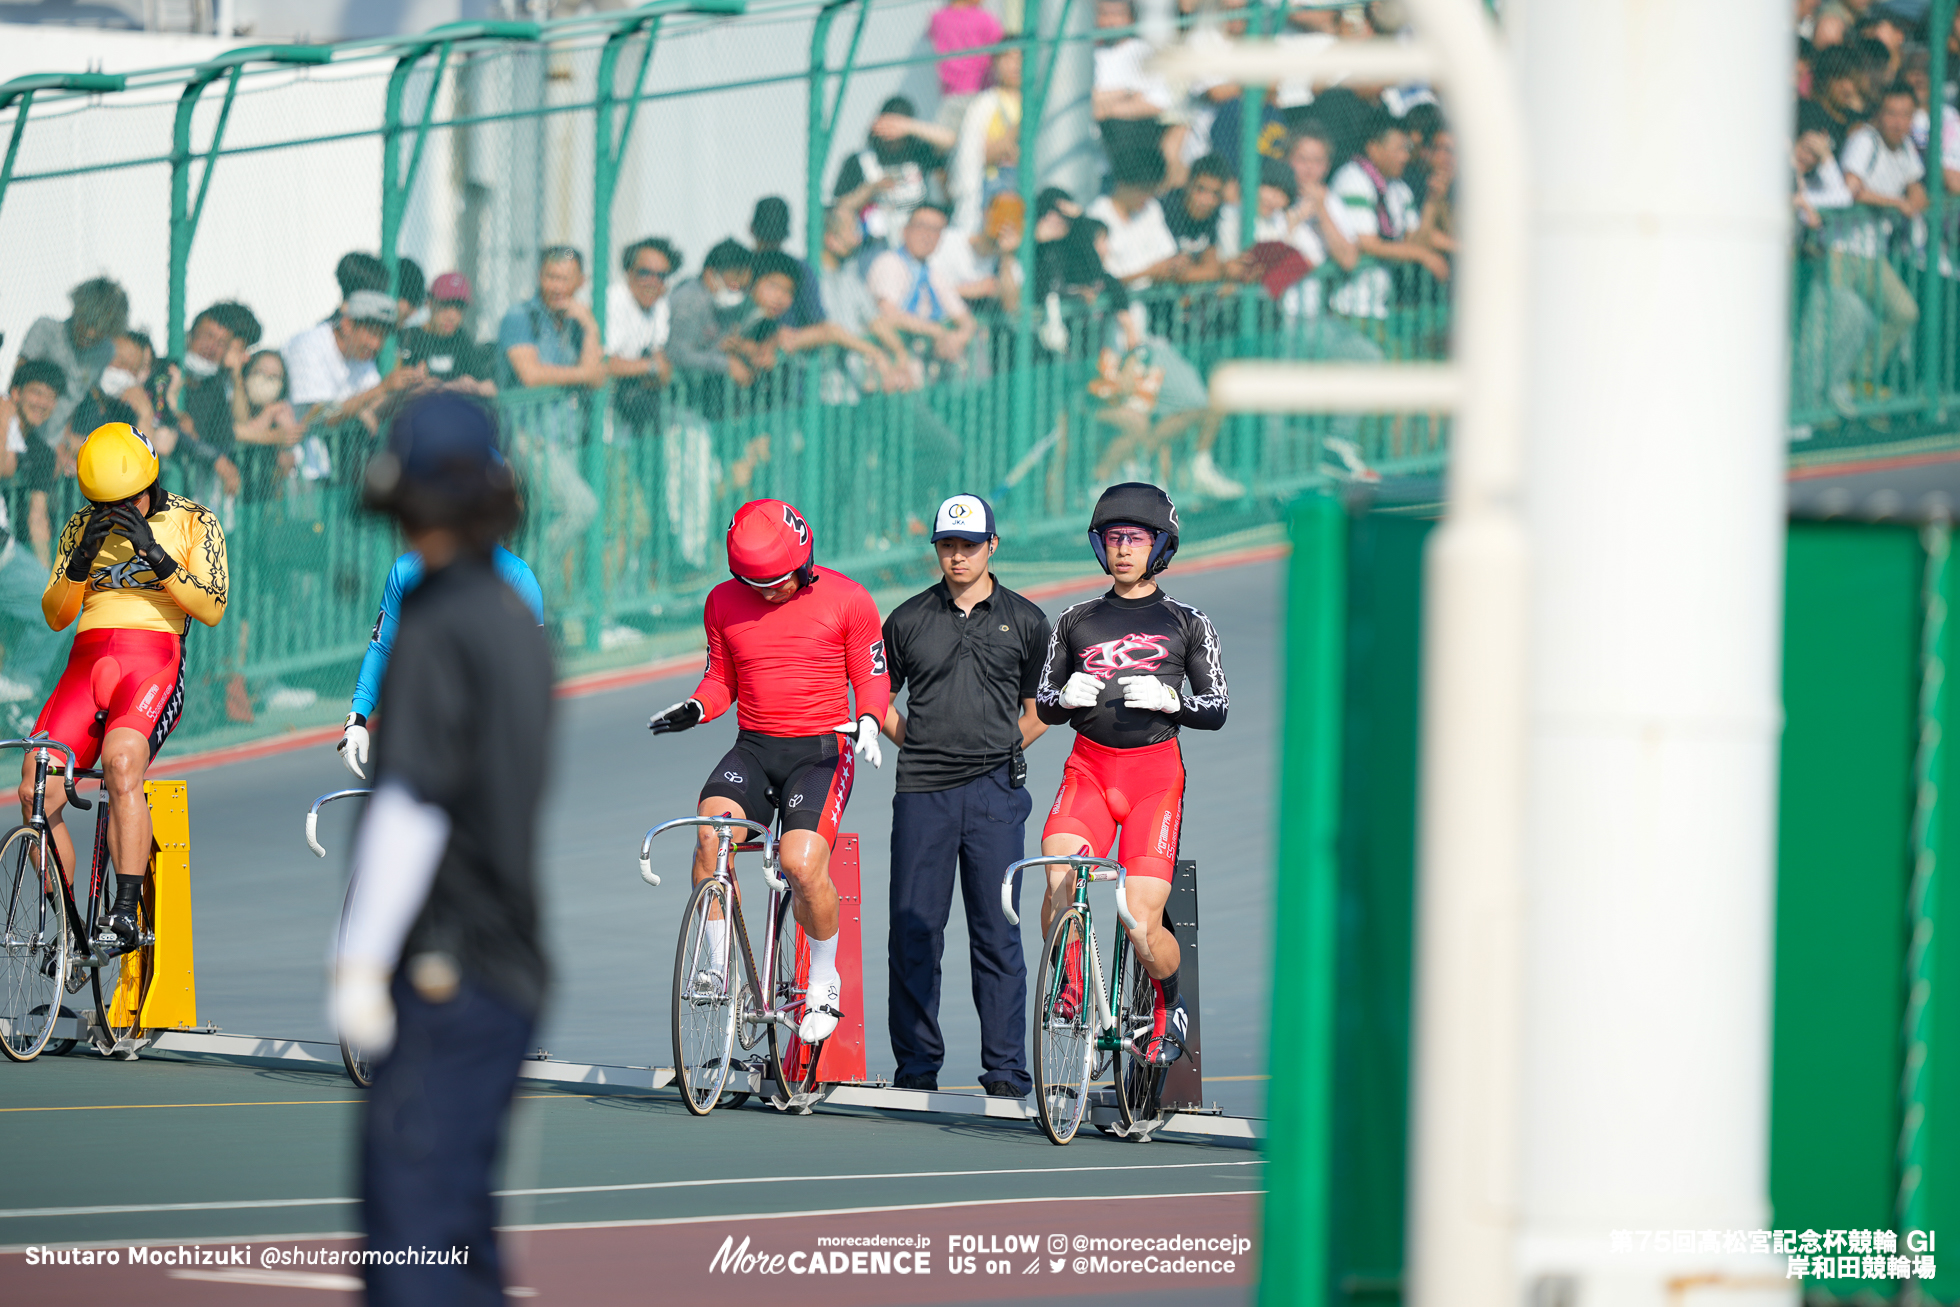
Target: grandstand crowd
(1864, 130)
(915, 281)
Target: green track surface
(91, 1134)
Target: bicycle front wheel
(1064, 1028)
(704, 998)
(792, 1063)
(359, 1069)
(35, 961)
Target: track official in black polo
(970, 651)
(439, 970)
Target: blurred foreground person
(439, 972)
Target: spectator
(769, 228)
(1312, 225)
(707, 309)
(221, 340)
(1883, 173)
(359, 271)
(772, 292)
(81, 346)
(849, 304)
(411, 293)
(913, 297)
(1437, 229)
(442, 348)
(1133, 107)
(551, 339)
(1833, 323)
(638, 321)
(1376, 210)
(27, 465)
(1878, 67)
(898, 162)
(1191, 215)
(264, 426)
(1141, 247)
(1837, 102)
(1917, 75)
(961, 25)
(330, 366)
(982, 267)
(986, 159)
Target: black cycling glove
(133, 524)
(82, 557)
(684, 715)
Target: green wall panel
(1850, 686)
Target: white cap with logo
(964, 517)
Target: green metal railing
(627, 490)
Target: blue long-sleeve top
(403, 577)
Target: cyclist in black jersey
(1115, 671)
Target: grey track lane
(265, 906)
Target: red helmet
(769, 542)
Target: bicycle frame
(41, 746)
(1086, 869)
(766, 1011)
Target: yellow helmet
(117, 462)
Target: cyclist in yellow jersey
(137, 564)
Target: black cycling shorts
(807, 776)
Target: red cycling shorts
(1141, 790)
(138, 676)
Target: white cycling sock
(823, 962)
(717, 939)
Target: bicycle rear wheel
(1064, 1029)
(34, 954)
(123, 982)
(704, 1001)
(1139, 1083)
(792, 1063)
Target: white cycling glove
(353, 746)
(1149, 692)
(864, 735)
(1082, 691)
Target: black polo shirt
(968, 675)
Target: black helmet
(441, 467)
(1136, 503)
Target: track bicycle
(1083, 1029)
(55, 940)
(360, 1069)
(712, 1012)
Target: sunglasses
(1123, 537)
(651, 274)
(766, 585)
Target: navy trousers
(429, 1142)
(977, 829)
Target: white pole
(1660, 268)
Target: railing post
(19, 96)
(183, 218)
(1036, 80)
(1934, 360)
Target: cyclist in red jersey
(784, 638)
(1114, 670)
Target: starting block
(842, 1060)
(158, 986)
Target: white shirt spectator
(1949, 136)
(1825, 186)
(1134, 243)
(1886, 172)
(1303, 298)
(847, 300)
(1122, 67)
(1364, 209)
(318, 373)
(902, 283)
(631, 331)
(956, 263)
